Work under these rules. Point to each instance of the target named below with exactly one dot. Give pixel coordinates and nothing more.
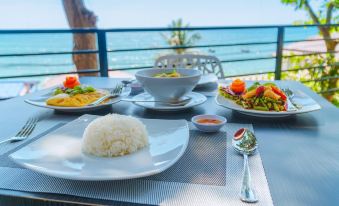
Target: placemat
(189, 169)
(201, 177)
(193, 168)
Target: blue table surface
(300, 153)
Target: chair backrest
(205, 63)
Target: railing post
(102, 47)
(279, 53)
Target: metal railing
(103, 51)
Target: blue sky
(150, 13)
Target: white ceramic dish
(166, 88)
(41, 102)
(308, 105)
(208, 127)
(58, 154)
(197, 99)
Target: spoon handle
(132, 100)
(181, 102)
(101, 99)
(247, 194)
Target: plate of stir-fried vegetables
(260, 99)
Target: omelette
(76, 100)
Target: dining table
(299, 153)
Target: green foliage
(315, 63)
(180, 38)
(323, 71)
(327, 11)
(319, 72)
(297, 3)
(336, 100)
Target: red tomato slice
(279, 92)
(71, 82)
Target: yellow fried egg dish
(77, 100)
(74, 94)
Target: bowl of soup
(168, 85)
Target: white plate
(58, 154)
(308, 105)
(207, 79)
(197, 99)
(41, 102)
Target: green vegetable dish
(76, 90)
(264, 97)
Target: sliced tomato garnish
(279, 92)
(238, 86)
(71, 82)
(259, 90)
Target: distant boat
(245, 51)
(211, 50)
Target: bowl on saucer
(168, 89)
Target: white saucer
(197, 99)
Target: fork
(24, 132)
(114, 93)
(290, 95)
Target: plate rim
(48, 172)
(171, 108)
(70, 109)
(31, 102)
(258, 113)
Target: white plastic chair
(206, 64)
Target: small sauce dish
(208, 122)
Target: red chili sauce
(208, 121)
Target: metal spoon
(245, 143)
(181, 102)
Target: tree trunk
(80, 17)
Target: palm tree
(180, 38)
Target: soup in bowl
(167, 84)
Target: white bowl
(208, 127)
(168, 89)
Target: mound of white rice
(114, 135)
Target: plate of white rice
(111, 147)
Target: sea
(31, 43)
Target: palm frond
(180, 37)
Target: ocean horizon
(31, 43)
